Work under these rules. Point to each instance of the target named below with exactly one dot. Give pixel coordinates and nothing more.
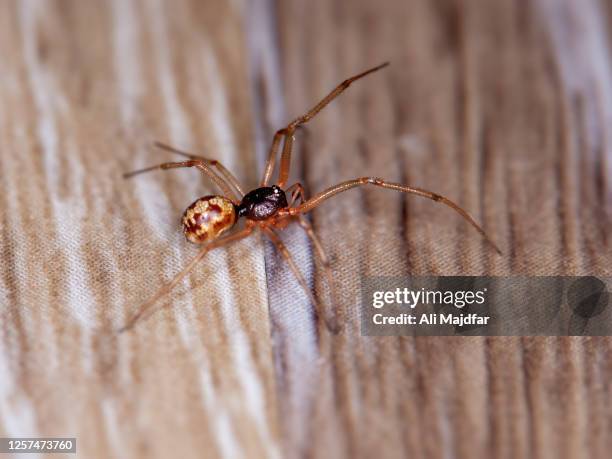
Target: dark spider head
(262, 203)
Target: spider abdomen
(207, 218)
(262, 203)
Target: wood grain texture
(86, 88)
(502, 106)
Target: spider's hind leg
(229, 177)
(145, 309)
(198, 164)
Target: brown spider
(266, 207)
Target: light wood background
(504, 106)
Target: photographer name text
(405, 297)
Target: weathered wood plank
(86, 87)
(504, 107)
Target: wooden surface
(502, 106)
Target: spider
(266, 208)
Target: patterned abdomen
(207, 218)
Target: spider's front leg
(288, 131)
(324, 195)
(297, 193)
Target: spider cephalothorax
(266, 208)
(262, 203)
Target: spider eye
(207, 218)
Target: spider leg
(297, 192)
(287, 132)
(320, 252)
(271, 158)
(276, 240)
(229, 177)
(198, 163)
(344, 186)
(142, 310)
